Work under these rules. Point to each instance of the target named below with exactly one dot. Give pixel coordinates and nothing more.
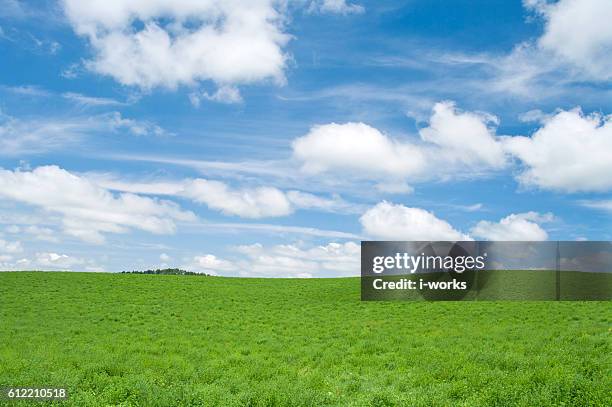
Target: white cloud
(42, 233)
(356, 147)
(210, 264)
(29, 90)
(279, 230)
(48, 261)
(22, 10)
(604, 205)
(254, 202)
(514, 227)
(13, 229)
(160, 43)
(535, 115)
(455, 143)
(394, 187)
(574, 48)
(305, 200)
(571, 152)
(151, 188)
(20, 136)
(44, 46)
(10, 247)
(88, 211)
(389, 221)
(397, 222)
(335, 7)
(464, 137)
(578, 32)
(55, 261)
(331, 260)
(37, 135)
(164, 257)
(225, 94)
(85, 100)
(136, 127)
(471, 208)
(249, 203)
(37, 232)
(285, 260)
(72, 71)
(6, 262)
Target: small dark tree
(173, 272)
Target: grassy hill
(154, 340)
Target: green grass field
(120, 339)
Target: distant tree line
(174, 272)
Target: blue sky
(268, 138)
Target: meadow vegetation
(169, 340)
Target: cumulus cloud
(210, 264)
(356, 147)
(249, 203)
(454, 142)
(160, 43)
(331, 260)
(465, 137)
(389, 221)
(573, 48)
(578, 32)
(284, 260)
(87, 210)
(518, 227)
(48, 261)
(571, 152)
(55, 261)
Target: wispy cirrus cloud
(39, 134)
(84, 100)
(335, 7)
(247, 202)
(602, 204)
(271, 229)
